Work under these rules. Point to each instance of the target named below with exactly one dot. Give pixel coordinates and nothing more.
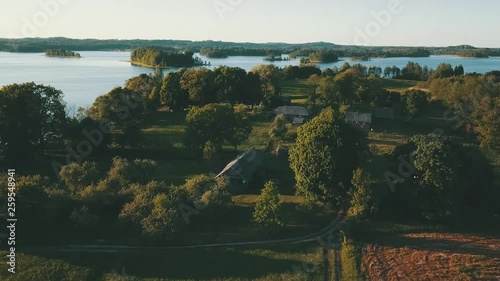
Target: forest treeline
(222, 49)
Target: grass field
(270, 263)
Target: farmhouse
(242, 170)
(363, 120)
(292, 112)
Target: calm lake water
(96, 73)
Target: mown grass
(270, 263)
(351, 260)
(396, 85)
(297, 89)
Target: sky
(347, 22)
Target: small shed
(292, 112)
(242, 170)
(363, 120)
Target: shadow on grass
(195, 264)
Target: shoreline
(64, 57)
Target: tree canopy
(31, 117)
(327, 152)
(218, 123)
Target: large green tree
(446, 177)
(124, 109)
(217, 123)
(416, 102)
(361, 194)
(31, 117)
(327, 152)
(270, 77)
(199, 83)
(172, 94)
(230, 84)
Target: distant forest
(224, 49)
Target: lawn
(396, 85)
(297, 89)
(266, 263)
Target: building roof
(292, 110)
(244, 166)
(358, 117)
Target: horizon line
(248, 42)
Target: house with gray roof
(242, 170)
(363, 120)
(292, 111)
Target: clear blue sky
(420, 23)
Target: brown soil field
(433, 256)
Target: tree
(444, 70)
(205, 191)
(270, 77)
(437, 183)
(147, 86)
(268, 208)
(165, 219)
(347, 82)
(137, 171)
(327, 152)
(155, 209)
(361, 194)
(253, 91)
(199, 84)
(78, 176)
(416, 102)
(210, 151)
(140, 207)
(123, 109)
(486, 118)
(278, 129)
(459, 70)
(172, 93)
(31, 117)
(121, 106)
(217, 123)
(230, 84)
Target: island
(62, 54)
(164, 58)
(273, 57)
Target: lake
(96, 73)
